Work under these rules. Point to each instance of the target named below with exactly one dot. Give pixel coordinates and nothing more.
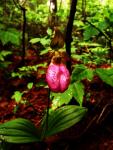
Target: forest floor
(94, 132)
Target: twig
(103, 112)
(16, 4)
(106, 36)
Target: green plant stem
(47, 113)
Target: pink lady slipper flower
(57, 76)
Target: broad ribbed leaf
(19, 131)
(63, 118)
(19, 123)
(19, 139)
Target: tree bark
(23, 35)
(53, 6)
(84, 10)
(68, 38)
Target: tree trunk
(84, 10)
(23, 35)
(68, 38)
(53, 6)
(53, 19)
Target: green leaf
(16, 74)
(102, 25)
(49, 31)
(10, 35)
(76, 74)
(30, 85)
(106, 75)
(44, 41)
(41, 83)
(19, 123)
(19, 139)
(4, 37)
(89, 32)
(60, 99)
(45, 51)
(99, 51)
(5, 64)
(34, 40)
(19, 131)
(111, 17)
(89, 44)
(81, 72)
(89, 74)
(3, 54)
(2, 26)
(63, 118)
(78, 92)
(17, 96)
(78, 23)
